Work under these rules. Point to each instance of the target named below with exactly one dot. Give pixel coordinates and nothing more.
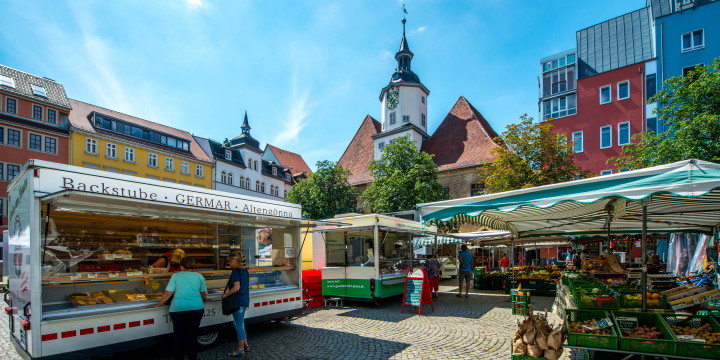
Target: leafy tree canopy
(689, 111)
(530, 154)
(325, 193)
(404, 177)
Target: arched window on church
(262, 188)
(223, 177)
(230, 179)
(257, 185)
(247, 183)
(272, 189)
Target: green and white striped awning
(442, 240)
(683, 197)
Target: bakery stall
(85, 242)
(368, 258)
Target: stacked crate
(520, 302)
(312, 288)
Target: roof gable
(464, 138)
(361, 152)
(289, 159)
(55, 91)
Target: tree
(530, 154)
(404, 177)
(325, 193)
(689, 113)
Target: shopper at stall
(240, 282)
(186, 309)
(170, 260)
(432, 267)
(585, 255)
(465, 272)
(395, 253)
(505, 263)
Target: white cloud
(295, 122)
(194, 4)
(417, 31)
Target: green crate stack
(531, 284)
(520, 303)
(510, 285)
(549, 288)
(667, 346)
(609, 342)
(520, 309)
(478, 270)
(692, 348)
(480, 283)
(635, 302)
(496, 282)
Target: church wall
(459, 180)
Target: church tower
(403, 103)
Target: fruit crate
(635, 302)
(531, 284)
(496, 282)
(520, 309)
(524, 299)
(549, 285)
(551, 293)
(693, 348)
(609, 342)
(593, 303)
(667, 346)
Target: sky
(306, 72)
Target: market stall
(445, 248)
(681, 197)
(84, 243)
(368, 258)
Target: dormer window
(38, 90)
(228, 155)
(287, 176)
(7, 81)
(274, 171)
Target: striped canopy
(682, 197)
(442, 240)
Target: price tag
(138, 272)
(604, 323)
(626, 322)
(698, 340)
(685, 337)
(75, 276)
(513, 291)
(92, 276)
(130, 273)
(194, 236)
(587, 327)
(127, 256)
(113, 274)
(110, 232)
(154, 234)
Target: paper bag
(519, 348)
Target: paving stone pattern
(478, 327)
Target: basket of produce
(536, 338)
(698, 336)
(594, 299)
(644, 332)
(583, 329)
(634, 300)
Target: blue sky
(307, 72)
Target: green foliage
(325, 193)
(530, 154)
(404, 177)
(690, 109)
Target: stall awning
(683, 197)
(441, 240)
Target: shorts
(435, 283)
(465, 276)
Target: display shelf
(141, 245)
(124, 276)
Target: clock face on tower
(393, 98)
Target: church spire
(404, 55)
(245, 126)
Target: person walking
(186, 308)
(432, 267)
(239, 283)
(504, 263)
(465, 272)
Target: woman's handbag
(230, 304)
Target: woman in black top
(240, 280)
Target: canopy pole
(436, 248)
(644, 255)
(376, 245)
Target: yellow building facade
(107, 140)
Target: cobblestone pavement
(478, 327)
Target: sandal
(458, 295)
(236, 354)
(247, 348)
(466, 295)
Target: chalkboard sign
(627, 323)
(604, 323)
(413, 292)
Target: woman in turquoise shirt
(186, 308)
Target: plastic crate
(551, 293)
(496, 282)
(667, 346)
(520, 309)
(692, 348)
(634, 302)
(531, 284)
(525, 298)
(609, 342)
(549, 285)
(583, 303)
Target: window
(255, 162)
(422, 98)
(199, 170)
(2, 209)
(652, 125)
(129, 154)
(7, 81)
(577, 138)
(477, 189)
(257, 185)
(51, 116)
(37, 112)
(38, 90)
(422, 119)
(406, 118)
(272, 189)
(2, 167)
(559, 81)
(623, 133)
(623, 90)
(228, 155)
(560, 107)
(381, 145)
(11, 106)
(223, 177)
(169, 164)
(152, 160)
(605, 137)
(13, 137)
(606, 172)
(650, 85)
(185, 167)
(111, 151)
(105, 122)
(35, 142)
(2, 135)
(50, 145)
(693, 40)
(262, 188)
(274, 171)
(690, 71)
(605, 94)
(91, 146)
(247, 183)
(12, 172)
(571, 59)
(276, 191)
(446, 192)
(393, 119)
(285, 194)
(230, 179)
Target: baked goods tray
(121, 296)
(97, 296)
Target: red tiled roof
(78, 118)
(361, 151)
(463, 138)
(290, 159)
